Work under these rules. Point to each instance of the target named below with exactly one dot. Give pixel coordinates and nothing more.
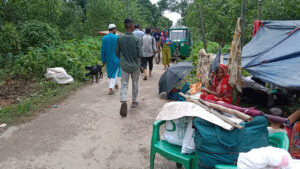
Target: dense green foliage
(33, 33)
(36, 34)
(9, 44)
(220, 16)
(72, 55)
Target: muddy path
(86, 131)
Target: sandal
(117, 86)
(134, 105)
(123, 110)
(110, 92)
(145, 78)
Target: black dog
(95, 71)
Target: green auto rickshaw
(181, 42)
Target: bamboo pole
(243, 21)
(228, 110)
(214, 112)
(259, 5)
(201, 20)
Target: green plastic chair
(169, 151)
(279, 140)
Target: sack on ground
(175, 130)
(188, 144)
(59, 75)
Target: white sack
(59, 75)
(267, 158)
(175, 130)
(188, 144)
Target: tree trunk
(202, 27)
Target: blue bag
(215, 145)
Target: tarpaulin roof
(273, 54)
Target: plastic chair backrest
(279, 140)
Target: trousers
(124, 85)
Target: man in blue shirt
(108, 57)
(137, 31)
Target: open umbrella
(173, 75)
(215, 64)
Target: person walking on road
(108, 57)
(149, 50)
(157, 36)
(129, 50)
(166, 50)
(137, 31)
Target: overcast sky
(171, 15)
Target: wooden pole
(214, 112)
(259, 4)
(201, 20)
(221, 108)
(243, 21)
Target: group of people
(128, 54)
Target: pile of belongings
(221, 131)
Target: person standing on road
(137, 31)
(149, 50)
(157, 36)
(129, 50)
(166, 50)
(108, 57)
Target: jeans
(124, 85)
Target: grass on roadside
(49, 93)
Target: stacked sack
(180, 132)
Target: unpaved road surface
(87, 132)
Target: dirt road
(87, 132)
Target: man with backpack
(149, 50)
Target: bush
(9, 44)
(73, 56)
(37, 34)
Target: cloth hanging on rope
(256, 26)
(234, 62)
(203, 67)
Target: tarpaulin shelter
(273, 54)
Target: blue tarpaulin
(273, 54)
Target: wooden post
(202, 27)
(243, 20)
(259, 4)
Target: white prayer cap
(111, 26)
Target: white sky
(173, 16)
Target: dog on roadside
(95, 72)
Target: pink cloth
(256, 26)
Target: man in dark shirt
(129, 50)
(157, 37)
